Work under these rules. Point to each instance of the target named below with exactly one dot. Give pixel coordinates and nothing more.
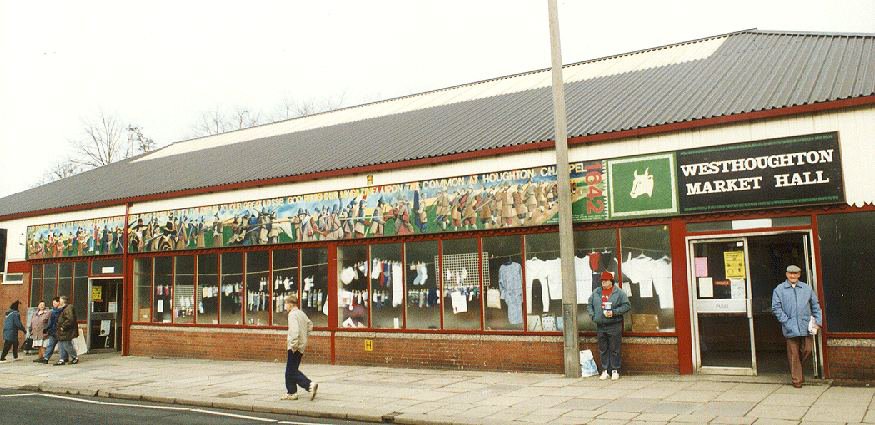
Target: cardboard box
(645, 323)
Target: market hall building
(421, 231)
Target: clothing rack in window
(460, 270)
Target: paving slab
(794, 413)
(725, 408)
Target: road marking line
(253, 418)
(209, 412)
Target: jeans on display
(610, 337)
(50, 343)
(68, 352)
(295, 377)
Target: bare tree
(104, 140)
(59, 170)
(290, 108)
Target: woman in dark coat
(11, 326)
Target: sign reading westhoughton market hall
(768, 173)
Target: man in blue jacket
(795, 305)
(11, 326)
(607, 305)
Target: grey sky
(160, 64)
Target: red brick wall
(852, 363)
(10, 293)
(220, 345)
(412, 351)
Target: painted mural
(515, 198)
(101, 236)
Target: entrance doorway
(731, 282)
(104, 314)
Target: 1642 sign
(769, 173)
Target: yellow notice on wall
(733, 261)
(97, 293)
(369, 345)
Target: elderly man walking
(299, 329)
(795, 305)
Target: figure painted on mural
(403, 225)
(377, 222)
(420, 217)
(509, 211)
(456, 205)
(36, 248)
(359, 226)
(218, 228)
(607, 305)
(443, 208)
(794, 304)
(469, 211)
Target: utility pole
(566, 233)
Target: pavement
(423, 396)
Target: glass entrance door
(722, 306)
(104, 314)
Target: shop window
(257, 289)
(543, 282)
(423, 274)
(231, 300)
(36, 286)
(594, 252)
(106, 266)
(846, 253)
(460, 272)
(183, 290)
(285, 283)
(50, 282)
(387, 286)
(208, 289)
(503, 283)
(142, 289)
(80, 288)
(353, 273)
(163, 290)
(65, 280)
(647, 278)
(314, 292)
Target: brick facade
(480, 352)
(852, 360)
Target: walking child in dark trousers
(11, 326)
(299, 329)
(607, 305)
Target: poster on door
(733, 262)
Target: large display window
(50, 282)
(36, 285)
(647, 278)
(183, 289)
(595, 251)
(208, 289)
(846, 253)
(80, 288)
(285, 282)
(543, 282)
(142, 289)
(460, 274)
(257, 288)
(423, 285)
(314, 290)
(353, 281)
(387, 286)
(162, 306)
(503, 283)
(230, 292)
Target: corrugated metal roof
(722, 75)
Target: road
(34, 408)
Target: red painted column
(681, 292)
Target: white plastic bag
(587, 364)
(79, 345)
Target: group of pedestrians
(48, 329)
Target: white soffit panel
(534, 80)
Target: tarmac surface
(425, 396)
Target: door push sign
(768, 173)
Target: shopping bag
(79, 345)
(587, 364)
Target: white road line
(252, 418)
(178, 409)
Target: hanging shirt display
(537, 270)
(510, 285)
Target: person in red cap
(607, 305)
